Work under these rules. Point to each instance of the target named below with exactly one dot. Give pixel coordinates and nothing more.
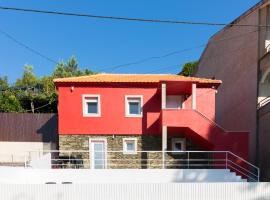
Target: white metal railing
(263, 102)
(150, 160)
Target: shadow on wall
(49, 130)
(150, 127)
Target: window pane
(92, 107)
(98, 146)
(130, 146)
(178, 146)
(134, 108)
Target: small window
(178, 144)
(91, 105)
(133, 106)
(130, 145)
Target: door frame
(92, 140)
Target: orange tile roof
(132, 78)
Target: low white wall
(77, 176)
(177, 191)
(44, 162)
(17, 151)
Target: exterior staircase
(206, 131)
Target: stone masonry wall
(119, 160)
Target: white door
(98, 154)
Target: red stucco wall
(113, 120)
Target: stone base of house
(144, 158)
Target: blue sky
(100, 44)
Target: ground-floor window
(178, 144)
(129, 145)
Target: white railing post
(25, 162)
(163, 95)
(163, 159)
(164, 145)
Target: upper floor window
(91, 106)
(133, 106)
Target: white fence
(187, 191)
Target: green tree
(4, 83)
(27, 86)
(9, 102)
(47, 85)
(189, 68)
(30, 93)
(68, 69)
(28, 79)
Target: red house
(133, 113)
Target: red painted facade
(197, 125)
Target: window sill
(90, 115)
(133, 116)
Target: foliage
(28, 79)
(3, 83)
(33, 94)
(9, 102)
(71, 68)
(189, 68)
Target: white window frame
(179, 140)
(127, 105)
(84, 102)
(125, 151)
(91, 156)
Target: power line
(175, 52)
(27, 47)
(106, 17)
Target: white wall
(17, 151)
(186, 191)
(43, 162)
(78, 176)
